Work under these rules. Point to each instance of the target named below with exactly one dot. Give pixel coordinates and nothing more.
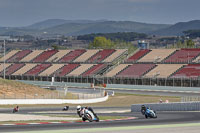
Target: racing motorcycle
(66, 108)
(16, 109)
(89, 115)
(150, 113)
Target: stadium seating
(188, 71)
(31, 56)
(12, 68)
(72, 55)
(19, 55)
(85, 56)
(116, 70)
(65, 70)
(37, 69)
(183, 56)
(94, 70)
(136, 70)
(78, 71)
(58, 55)
(44, 56)
(163, 70)
(115, 55)
(24, 69)
(157, 55)
(8, 55)
(51, 69)
(138, 55)
(2, 66)
(101, 55)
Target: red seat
(45, 55)
(37, 69)
(65, 69)
(11, 69)
(72, 55)
(138, 55)
(19, 55)
(135, 70)
(183, 56)
(189, 71)
(101, 55)
(92, 71)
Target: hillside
(55, 27)
(55, 22)
(103, 27)
(178, 28)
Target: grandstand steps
(85, 56)
(94, 70)
(177, 71)
(122, 70)
(62, 71)
(196, 59)
(163, 61)
(24, 69)
(115, 70)
(108, 55)
(137, 56)
(14, 54)
(45, 55)
(43, 68)
(72, 55)
(149, 70)
(51, 69)
(103, 70)
(29, 58)
(13, 68)
(97, 58)
(131, 54)
(81, 69)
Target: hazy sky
(26, 12)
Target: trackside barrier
(51, 101)
(185, 106)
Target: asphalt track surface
(163, 117)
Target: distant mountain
(103, 27)
(55, 22)
(178, 28)
(54, 27)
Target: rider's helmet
(78, 108)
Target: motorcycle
(65, 108)
(150, 113)
(89, 115)
(15, 110)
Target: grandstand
(145, 66)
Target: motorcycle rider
(143, 109)
(16, 109)
(80, 110)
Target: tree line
(122, 36)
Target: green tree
(101, 42)
(55, 47)
(190, 43)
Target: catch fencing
(182, 106)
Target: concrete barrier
(185, 106)
(51, 101)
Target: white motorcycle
(89, 115)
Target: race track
(163, 118)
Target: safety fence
(182, 106)
(154, 81)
